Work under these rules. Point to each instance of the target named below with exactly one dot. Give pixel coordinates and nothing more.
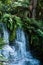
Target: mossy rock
(3, 59)
(1, 43)
(1, 63)
(13, 34)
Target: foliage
(12, 22)
(6, 1)
(7, 19)
(16, 14)
(18, 21)
(39, 12)
(35, 29)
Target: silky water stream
(16, 53)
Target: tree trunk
(34, 8)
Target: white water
(17, 55)
(21, 42)
(6, 35)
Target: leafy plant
(7, 19)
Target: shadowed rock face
(1, 30)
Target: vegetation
(26, 14)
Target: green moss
(13, 34)
(2, 58)
(1, 43)
(1, 63)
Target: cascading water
(21, 42)
(6, 35)
(17, 54)
(6, 48)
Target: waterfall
(6, 50)
(6, 34)
(17, 54)
(21, 41)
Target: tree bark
(34, 8)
